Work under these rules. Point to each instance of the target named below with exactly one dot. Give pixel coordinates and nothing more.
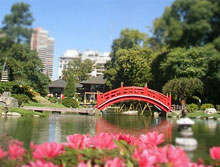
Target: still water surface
(57, 127)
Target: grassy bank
(57, 105)
(193, 115)
(24, 112)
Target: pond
(57, 127)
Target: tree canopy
(183, 88)
(127, 62)
(17, 24)
(189, 23)
(24, 66)
(79, 69)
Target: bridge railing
(134, 91)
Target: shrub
(192, 107)
(6, 86)
(53, 99)
(21, 99)
(205, 106)
(69, 102)
(218, 107)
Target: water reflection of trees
(134, 125)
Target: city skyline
(86, 24)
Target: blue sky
(89, 24)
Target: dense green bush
(53, 99)
(205, 106)
(218, 107)
(192, 107)
(6, 86)
(69, 102)
(21, 99)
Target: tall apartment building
(44, 45)
(99, 60)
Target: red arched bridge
(134, 93)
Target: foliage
(53, 99)
(21, 99)
(70, 89)
(6, 86)
(24, 66)
(182, 62)
(16, 88)
(218, 107)
(17, 25)
(205, 106)
(188, 23)
(132, 68)
(70, 102)
(183, 88)
(102, 150)
(129, 42)
(78, 69)
(129, 38)
(192, 107)
(212, 79)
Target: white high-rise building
(98, 59)
(68, 56)
(44, 45)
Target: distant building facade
(44, 45)
(99, 60)
(68, 56)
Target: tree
(79, 69)
(70, 89)
(181, 62)
(24, 65)
(129, 39)
(183, 88)
(212, 80)
(188, 23)
(17, 25)
(132, 68)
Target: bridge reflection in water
(134, 125)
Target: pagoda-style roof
(60, 83)
(99, 80)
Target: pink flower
(77, 141)
(40, 163)
(215, 153)
(151, 139)
(103, 141)
(116, 162)
(174, 156)
(128, 138)
(83, 164)
(2, 153)
(15, 151)
(47, 150)
(144, 158)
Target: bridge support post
(122, 88)
(145, 89)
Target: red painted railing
(138, 93)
